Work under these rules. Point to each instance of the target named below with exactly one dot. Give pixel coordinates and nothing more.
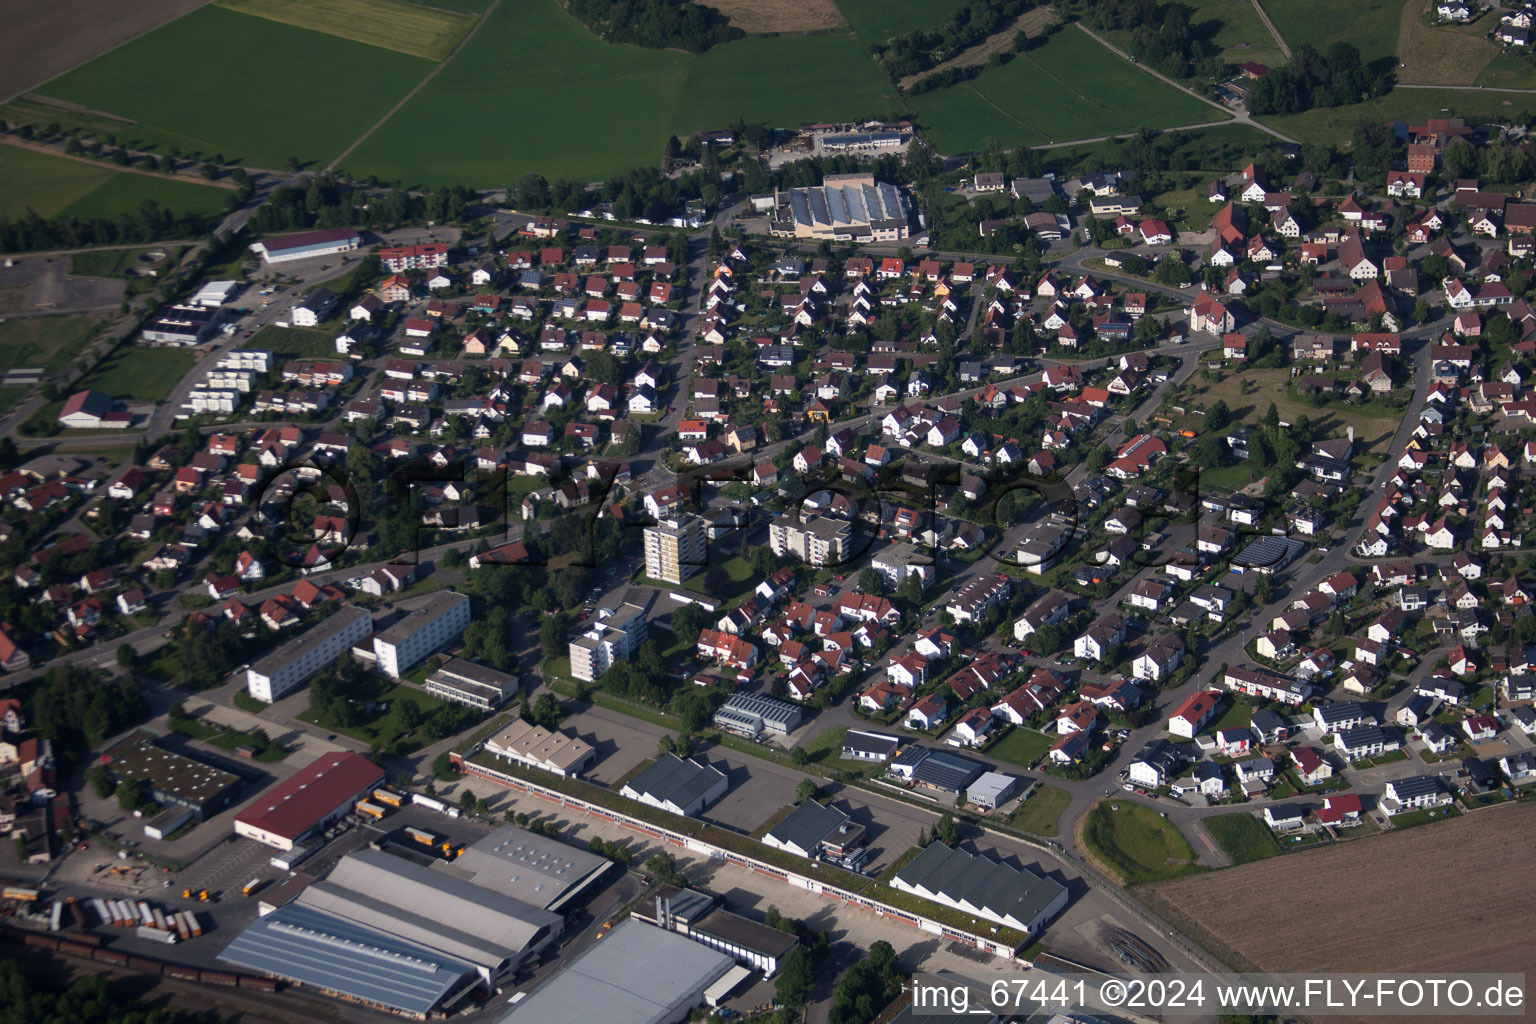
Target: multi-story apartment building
(818, 540)
(675, 549)
(403, 645)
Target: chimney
(1351, 433)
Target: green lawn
(617, 113)
(1241, 836)
(1041, 813)
(1370, 25)
(1337, 124)
(876, 21)
(826, 746)
(117, 262)
(1021, 746)
(135, 371)
(383, 728)
(1069, 88)
(1237, 714)
(216, 81)
(294, 343)
(47, 342)
(1137, 842)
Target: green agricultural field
(124, 192)
(960, 120)
(1241, 836)
(52, 185)
(135, 371)
(628, 100)
(1337, 124)
(217, 81)
(45, 342)
(1370, 25)
(1071, 87)
(30, 109)
(1235, 30)
(45, 184)
(876, 21)
(417, 29)
(1137, 843)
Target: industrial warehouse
(309, 800)
(977, 884)
(638, 974)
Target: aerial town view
(789, 511)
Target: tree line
(921, 49)
(327, 202)
(658, 24)
(151, 222)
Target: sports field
(1372, 26)
(618, 116)
(421, 31)
(52, 185)
(218, 81)
(1069, 88)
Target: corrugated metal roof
(467, 921)
(319, 949)
(674, 780)
(807, 825)
(639, 974)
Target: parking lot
(754, 795)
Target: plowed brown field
(1448, 896)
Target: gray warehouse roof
(674, 780)
(947, 771)
(540, 871)
(998, 889)
(807, 825)
(639, 974)
(328, 952)
(467, 921)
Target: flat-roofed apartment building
(618, 630)
(478, 686)
(421, 632)
(844, 207)
(818, 540)
(291, 665)
(537, 747)
(675, 549)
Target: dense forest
(658, 24)
(78, 708)
(1314, 80)
(919, 50)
